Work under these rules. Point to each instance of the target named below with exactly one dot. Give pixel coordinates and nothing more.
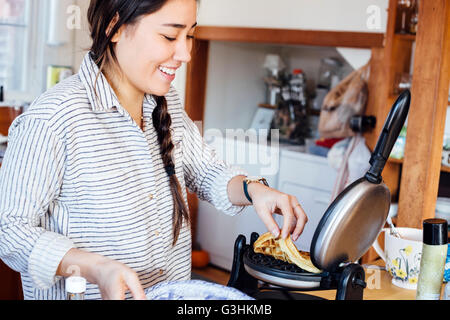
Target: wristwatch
(249, 180)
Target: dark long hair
(101, 13)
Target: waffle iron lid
(350, 225)
(355, 218)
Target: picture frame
(56, 74)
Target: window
(20, 48)
(14, 26)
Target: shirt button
(156, 233)
(161, 271)
(150, 196)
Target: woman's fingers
(132, 282)
(289, 219)
(266, 216)
(302, 219)
(294, 217)
(114, 290)
(127, 282)
(116, 278)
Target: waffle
(285, 250)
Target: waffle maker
(346, 231)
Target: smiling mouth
(168, 71)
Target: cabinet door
(217, 232)
(314, 202)
(307, 170)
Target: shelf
(405, 37)
(267, 106)
(400, 161)
(311, 112)
(346, 39)
(393, 160)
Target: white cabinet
(311, 180)
(308, 177)
(216, 231)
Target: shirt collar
(100, 93)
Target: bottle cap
(297, 71)
(75, 284)
(435, 232)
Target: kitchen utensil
(394, 230)
(348, 228)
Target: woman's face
(150, 51)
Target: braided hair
(105, 19)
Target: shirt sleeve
(206, 174)
(30, 178)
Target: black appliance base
(348, 280)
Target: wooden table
(10, 284)
(379, 286)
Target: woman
(93, 181)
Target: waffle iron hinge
(348, 280)
(239, 278)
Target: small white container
(75, 288)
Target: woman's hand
(267, 201)
(113, 278)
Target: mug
(402, 256)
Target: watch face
(256, 179)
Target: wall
(346, 15)
(61, 55)
(82, 37)
(331, 15)
(235, 84)
(40, 54)
(327, 15)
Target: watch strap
(246, 192)
(246, 182)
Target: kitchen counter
(379, 286)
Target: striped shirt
(80, 173)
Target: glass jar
(403, 15)
(329, 73)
